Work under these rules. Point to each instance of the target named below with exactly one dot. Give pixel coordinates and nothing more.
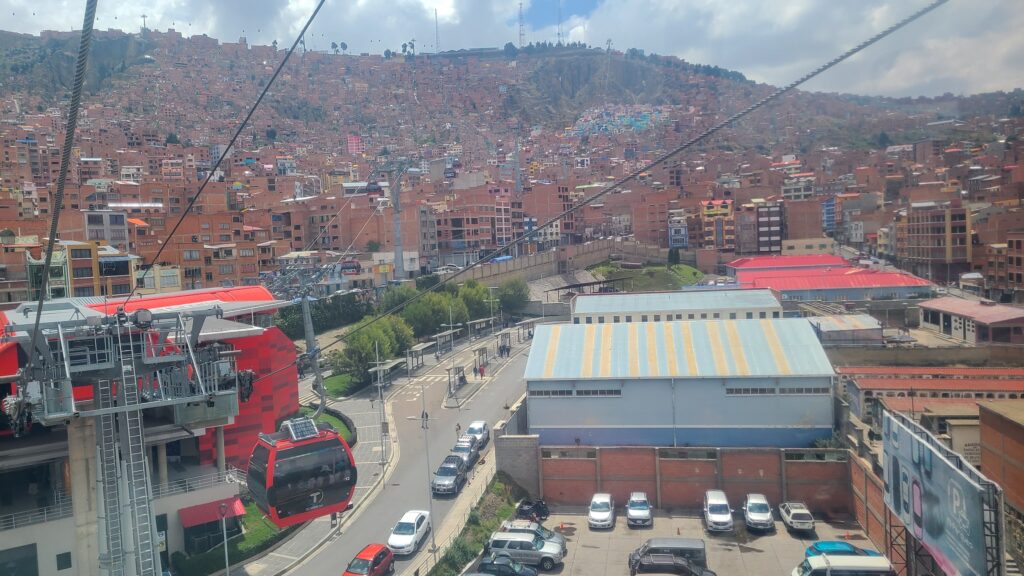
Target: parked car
(602, 511)
(690, 549)
(373, 560)
(717, 513)
(479, 430)
(501, 565)
(757, 513)
(837, 548)
(796, 517)
(450, 476)
(466, 448)
(536, 510)
(638, 510)
(530, 527)
(526, 548)
(665, 564)
(410, 531)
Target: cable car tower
(132, 362)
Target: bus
(826, 565)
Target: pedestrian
(476, 372)
(481, 371)
(458, 430)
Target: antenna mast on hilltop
(437, 35)
(522, 27)
(559, 22)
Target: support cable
(65, 160)
(778, 93)
(252, 110)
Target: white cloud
(963, 47)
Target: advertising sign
(939, 504)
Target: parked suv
(796, 516)
(449, 476)
(757, 513)
(467, 448)
(690, 549)
(717, 513)
(638, 510)
(479, 430)
(529, 527)
(500, 565)
(526, 548)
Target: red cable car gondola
(301, 473)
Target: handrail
(62, 509)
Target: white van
(825, 565)
(717, 513)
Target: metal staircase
(106, 438)
(136, 468)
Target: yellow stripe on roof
(589, 334)
(549, 361)
(670, 349)
(775, 345)
(736, 349)
(717, 348)
(634, 358)
(606, 352)
(687, 348)
(653, 367)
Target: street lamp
(224, 530)
(424, 419)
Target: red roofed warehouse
(972, 321)
(809, 261)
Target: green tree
(673, 256)
(399, 332)
(428, 281)
(884, 141)
(475, 296)
(395, 296)
(334, 47)
(426, 315)
(510, 50)
(172, 138)
(373, 246)
(271, 134)
(343, 46)
(514, 294)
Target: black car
(532, 510)
(665, 564)
(504, 566)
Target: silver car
(526, 548)
(449, 476)
(529, 527)
(757, 513)
(638, 510)
(467, 448)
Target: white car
(602, 511)
(638, 510)
(479, 430)
(757, 513)
(796, 516)
(409, 533)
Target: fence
(62, 509)
(185, 485)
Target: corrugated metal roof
(674, 301)
(843, 323)
(958, 384)
(985, 313)
(694, 349)
(932, 371)
(877, 280)
(787, 261)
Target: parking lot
(605, 552)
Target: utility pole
(437, 34)
(313, 353)
(383, 418)
(450, 326)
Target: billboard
(937, 502)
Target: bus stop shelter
(383, 374)
(503, 341)
(481, 327)
(445, 340)
(414, 355)
(524, 329)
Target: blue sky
(544, 13)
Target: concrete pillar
(161, 465)
(657, 477)
(82, 466)
(597, 467)
(221, 466)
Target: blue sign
(937, 502)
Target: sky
(963, 47)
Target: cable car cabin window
(310, 477)
(257, 476)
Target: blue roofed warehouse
(700, 383)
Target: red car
(374, 560)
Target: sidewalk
(457, 517)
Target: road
(407, 487)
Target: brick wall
(881, 527)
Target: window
(615, 319)
(763, 315)
(116, 219)
(225, 237)
(703, 315)
(226, 268)
(775, 314)
(94, 219)
(590, 320)
(715, 315)
(122, 288)
(248, 268)
(83, 291)
(246, 252)
(575, 320)
(78, 253)
(804, 391)
(677, 454)
(732, 315)
(551, 393)
(629, 318)
(643, 318)
(190, 254)
(579, 453)
(82, 272)
(689, 316)
(615, 392)
(749, 391)
(750, 315)
(657, 317)
(64, 561)
(600, 319)
(223, 225)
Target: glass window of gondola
(257, 477)
(310, 477)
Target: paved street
(406, 487)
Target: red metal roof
(985, 313)
(931, 371)
(751, 275)
(954, 384)
(919, 404)
(872, 280)
(784, 261)
(237, 294)
(210, 512)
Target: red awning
(137, 222)
(210, 512)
